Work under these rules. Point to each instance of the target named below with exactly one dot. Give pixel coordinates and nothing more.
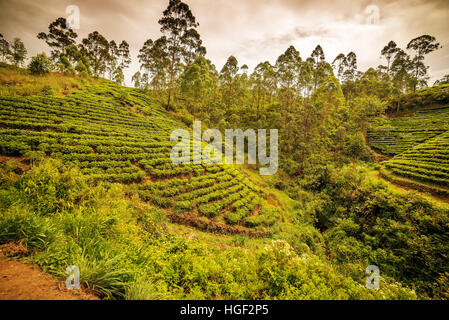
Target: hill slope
(418, 141)
(118, 134)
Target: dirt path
(20, 281)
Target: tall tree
(351, 67)
(318, 60)
(263, 83)
(96, 47)
(340, 64)
(154, 59)
(287, 69)
(401, 68)
(388, 52)
(422, 46)
(124, 58)
(118, 76)
(318, 55)
(196, 83)
(4, 48)
(227, 81)
(112, 61)
(179, 27)
(18, 52)
(229, 71)
(59, 37)
(136, 79)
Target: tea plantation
(403, 133)
(418, 141)
(118, 134)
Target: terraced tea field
(403, 133)
(420, 145)
(427, 163)
(117, 134)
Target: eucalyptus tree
(401, 71)
(388, 52)
(287, 70)
(178, 25)
(18, 52)
(340, 64)
(136, 79)
(58, 38)
(350, 73)
(196, 83)
(422, 46)
(112, 61)
(154, 59)
(4, 48)
(96, 47)
(124, 58)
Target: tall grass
(17, 81)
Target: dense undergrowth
(363, 220)
(123, 248)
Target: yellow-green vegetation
(86, 176)
(86, 180)
(433, 96)
(398, 134)
(15, 81)
(426, 162)
(124, 249)
(418, 141)
(119, 134)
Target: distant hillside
(424, 98)
(417, 136)
(398, 134)
(118, 134)
(426, 165)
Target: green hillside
(117, 134)
(417, 139)
(426, 163)
(399, 134)
(89, 183)
(86, 179)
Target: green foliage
(427, 162)
(405, 235)
(49, 191)
(433, 96)
(123, 251)
(39, 64)
(20, 223)
(398, 134)
(18, 52)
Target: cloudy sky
(251, 30)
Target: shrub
(19, 223)
(40, 64)
(50, 188)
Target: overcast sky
(251, 30)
